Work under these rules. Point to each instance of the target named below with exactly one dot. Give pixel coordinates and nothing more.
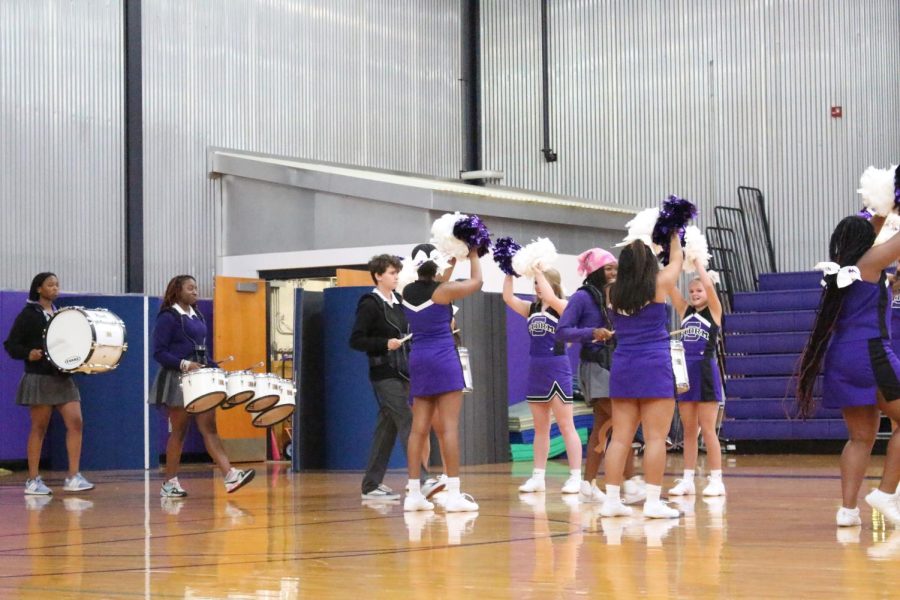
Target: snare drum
(268, 392)
(85, 340)
(282, 410)
(203, 389)
(466, 369)
(679, 366)
(240, 387)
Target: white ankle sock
(575, 473)
(538, 473)
(413, 487)
(653, 492)
(688, 474)
(453, 485)
(613, 493)
(716, 474)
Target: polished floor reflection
(310, 536)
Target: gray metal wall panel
(364, 82)
(696, 97)
(61, 143)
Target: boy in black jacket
(379, 331)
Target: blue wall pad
(14, 421)
(801, 320)
(766, 387)
(350, 405)
(763, 364)
(777, 301)
(766, 343)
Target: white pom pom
(714, 276)
(695, 249)
(876, 186)
(407, 275)
(443, 239)
(641, 228)
(889, 229)
(538, 255)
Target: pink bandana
(593, 259)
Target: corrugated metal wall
(365, 82)
(696, 97)
(61, 143)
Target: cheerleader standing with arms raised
(435, 374)
(699, 406)
(43, 387)
(850, 344)
(549, 377)
(642, 383)
(179, 346)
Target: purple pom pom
(865, 214)
(504, 250)
(472, 231)
(673, 216)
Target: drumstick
(224, 360)
(251, 367)
(677, 332)
(405, 338)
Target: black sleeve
(367, 315)
(15, 344)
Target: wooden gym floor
(309, 536)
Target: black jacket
(372, 330)
(27, 333)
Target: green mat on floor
(525, 452)
(520, 415)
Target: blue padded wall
(14, 422)
(350, 405)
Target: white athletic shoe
(460, 503)
(77, 483)
(533, 485)
(440, 499)
(683, 487)
(36, 487)
(634, 490)
(236, 479)
(848, 517)
(659, 510)
(886, 504)
(716, 487)
(416, 502)
(572, 485)
(172, 489)
(614, 508)
(432, 486)
(590, 493)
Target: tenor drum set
(92, 340)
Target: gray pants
(393, 424)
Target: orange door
(239, 325)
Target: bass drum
(85, 340)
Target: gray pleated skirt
(594, 381)
(166, 389)
(46, 390)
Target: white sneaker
(440, 499)
(432, 486)
(659, 510)
(614, 508)
(77, 483)
(590, 493)
(461, 503)
(416, 502)
(716, 487)
(634, 490)
(382, 492)
(886, 504)
(848, 517)
(237, 479)
(36, 487)
(683, 487)
(172, 489)
(533, 485)
(572, 485)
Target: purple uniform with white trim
(549, 369)
(434, 366)
(859, 361)
(642, 362)
(701, 333)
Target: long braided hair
(850, 240)
(171, 295)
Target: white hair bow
(845, 275)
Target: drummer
(43, 387)
(179, 346)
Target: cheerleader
(549, 377)
(851, 336)
(43, 387)
(586, 322)
(179, 346)
(641, 383)
(435, 372)
(699, 406)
